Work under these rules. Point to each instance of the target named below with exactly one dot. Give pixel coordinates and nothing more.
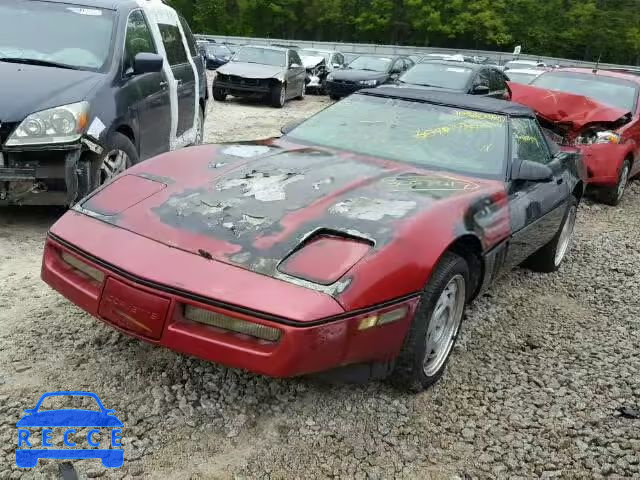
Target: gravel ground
(533, 390)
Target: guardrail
(366, 48)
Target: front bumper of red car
(264, 343)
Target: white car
(524, 75)
(319, 64)
(526, 64)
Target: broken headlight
(368, 83)
(62, 124)
(592, 137)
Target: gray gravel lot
(542, 367)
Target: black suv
(89, 89)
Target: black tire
(278, 95)
(545, 260)
(218, 94)
(409, 373)
(303, 91)
(335, 98)
(613, 195)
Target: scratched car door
(536, 208)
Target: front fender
(603, 162)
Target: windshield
(615, 92)
(376, 64)
(219, 51)
(263, 56)
(437, 75)
(520, 77)
(314, 53)
(432, 136)
(56, 33)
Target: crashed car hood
(554, 106)
(357, 75)
(25, 89)
(250, 205)
(310, 62)
(250, 70)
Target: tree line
(577, 29)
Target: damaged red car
(351, 244)
(597, 112)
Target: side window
(408, 63)
(173, 45)
(294, 58)
(482, 78)
(340, 59)
(191, 41)
(137, 40)
(528, 141)
(497, 81)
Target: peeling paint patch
(265, 265)
(261, 186)
(242, 257)
(157, 178)
(363, 208)
(334, 289)
(217, 164)
(246, 151)
(327, 181)
(196, 203)
(423, 183)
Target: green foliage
(581, 29)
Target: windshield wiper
(34, 61)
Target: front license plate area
(133, 309)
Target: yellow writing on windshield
(446, 130)
(526, 139)
(481, 116)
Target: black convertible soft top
(471, 102)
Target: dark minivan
(87, 90)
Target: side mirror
(480, 90)
(147, 63)
(294, 65)
(336, 65)
(528, 171)
(290, 126)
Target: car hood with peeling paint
(250, 205)
(251, 70)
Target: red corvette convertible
(351, 244)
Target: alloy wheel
(444, 325)
(624, 177)
(565, 235)
(114, 163)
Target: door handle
(178, 82)
(163, 84)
